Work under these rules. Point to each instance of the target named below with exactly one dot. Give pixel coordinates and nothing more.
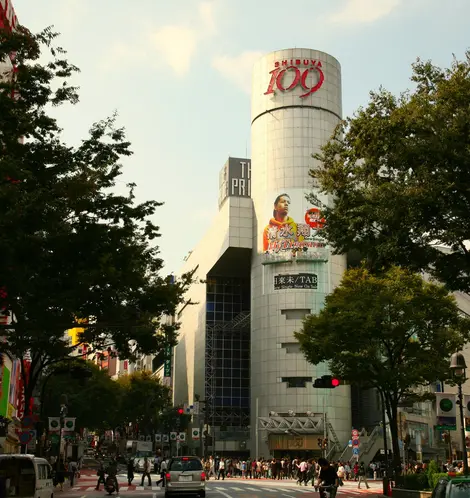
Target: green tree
(72, 248)
(399, 170)
(92, 396)
(393, 332)
(143, 398)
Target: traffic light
(325, 443)
(180, 411)
(326, 382)
(179, 414)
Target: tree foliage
(399, 171)
(99, 402)
(393, 332)
(143, 398)
(94, 399)
(72, 248)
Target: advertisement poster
(293, 226)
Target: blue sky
(178, 73)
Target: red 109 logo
(280, 76)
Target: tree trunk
(392, 413)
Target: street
(229, 488)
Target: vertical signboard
(167, 367)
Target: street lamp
(458, 366)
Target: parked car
(455, 487)
(185, 474)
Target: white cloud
(207, 15)
(364, 11)
(237, 69)
(176, 44)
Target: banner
(196, 434)
(182, 437)
(54, 424)
(293, 226)
(158, 438)
(173, 436)
(446, 406)
(69, 424)
(466, 405)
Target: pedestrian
(72, 469)
(146, 471)
(362, 476)
(163, 469)
(130, 471)
(100, 473)
(221, 470)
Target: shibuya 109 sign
(289, 74)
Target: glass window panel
(219, 317)
(209, 306)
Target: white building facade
(296, 104)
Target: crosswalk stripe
(270, 490)
(236, 489)
(155, 488)
(220, 489)
(298, 490)
(123, 488)
(253, 489)
(140, 488)
(90, 489)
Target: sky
(179, 75)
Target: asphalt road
(229, 488)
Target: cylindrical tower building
(296, 104)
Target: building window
(296, 382)
(291, 347)
(228, 338)
(295, 314)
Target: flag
(165, 438)
(182, 437)
(445, 404)
(69, 424)
(54, 424)
(158, 438)
(173, 436)
(196, 434)
(148, 439)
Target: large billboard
(293, 226)
(235, 179)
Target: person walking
(146, 471)
(100, 473)
(362, 476)
(163, 469)
(130, 471)
(221, 470)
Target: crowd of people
(302, 470)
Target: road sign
(355, 442)
(355, 438)
(350, 443)
(354, 432)
(355, 451)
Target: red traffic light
(326, 382)
(180, 411)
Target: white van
(25, 476)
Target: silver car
(185, 474)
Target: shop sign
(296, 281)
(299, 71)
(167, 366)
